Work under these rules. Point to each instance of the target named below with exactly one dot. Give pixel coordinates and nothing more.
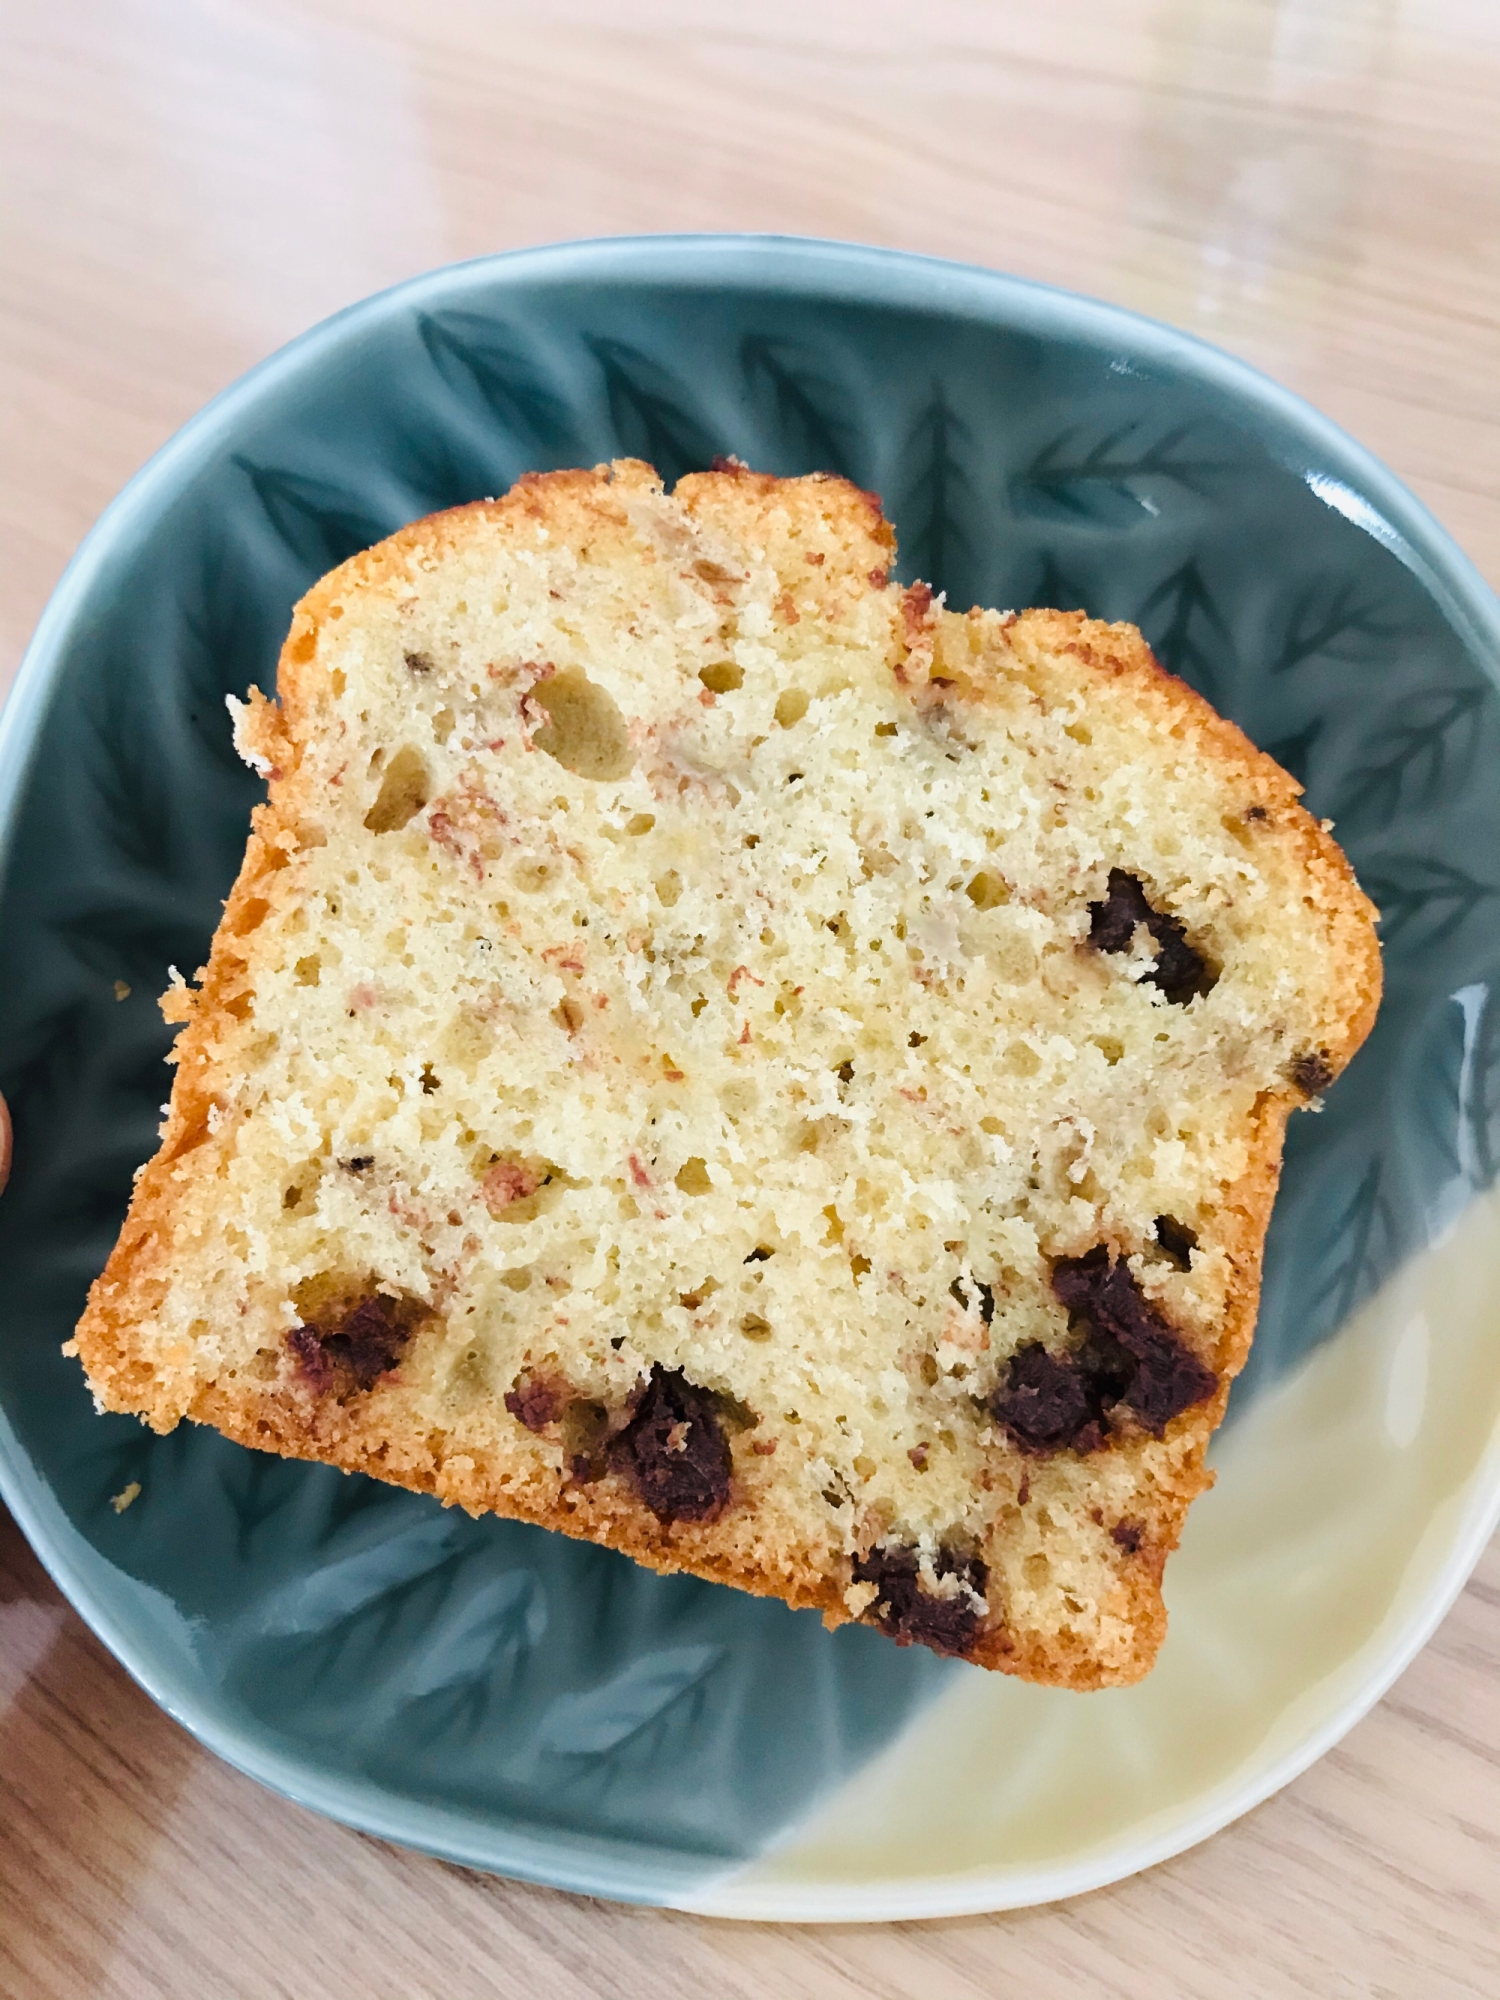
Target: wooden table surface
(1316, 185)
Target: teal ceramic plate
(526, 1704)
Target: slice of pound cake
(714, 1053)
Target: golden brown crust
(830, 545)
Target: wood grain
(1312, 183)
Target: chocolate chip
(1128, 1336)
(969, 1292)
(1129, 1356)
(352, 1350)
(1127, 1535)
(537, 1400)
(1177, 1240)
(1048, 1402)
(1311, 1073)
(673, 1450)
(1180, 971)
(908, 1612)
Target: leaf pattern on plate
(319, 524)
(936, 541)
(546, 1699)
(632, 1712)
(1427, 746)
(474, 353)
(651, 419)
(130, 789)
(1423, 899)
(433, 1647)
(1188, 632)
(1114, 482)
(812, 438)
(1335, 616)
(1358, 1240)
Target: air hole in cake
(1177, 1240)
(692, 1177)
(349, 1338)
(759, 1254)
(585, 730)
(431, 1082)
(972, 1296)
(937, 1602)
(722, 676)
(404, 790)
(639, 823)
(418, 663)
(1181, 972)
(987, 890)
(668, 888)
(309, 970)
(1130, 1358)
(673, 1450)
(753, 1327)
(791, 705)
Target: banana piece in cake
(714, 1053)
